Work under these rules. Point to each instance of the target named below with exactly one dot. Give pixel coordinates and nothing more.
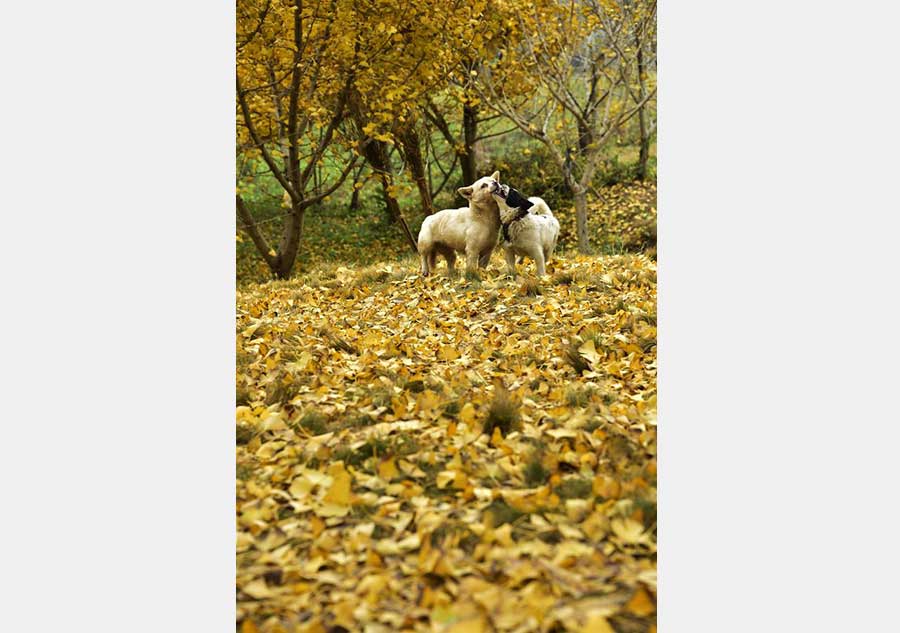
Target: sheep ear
(495, 176)
(465, 192)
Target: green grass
(501, 512)
(243, 434)
(534, 472)
(314, 422)
(574, 488)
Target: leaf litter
(448, 455)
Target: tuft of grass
(574, 357)
(530, 288)
(243, 434)
(405, 444)
(646, 343)
(501, 512)
(535, 473)
(314, 422)
(243, 472)
(381, 396)
(574, 488)
(363, 419)
(358, 457)
(415, 386)
(490, 300)
(337, 342)
(362, 511)
(280, 392)
(372, 277)
(563, 278)
(473, 276)
(578, 395)
(452, 409)
(648, 508)
(243, 396)
(503, 413)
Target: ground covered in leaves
(451, 454)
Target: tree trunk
(470, 133)
(642, 118)
(357, 188)
(376, 153)
(259, 241)
(585, 137)
(409, 138)
(584, 245)
(290, 242)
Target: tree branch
(260, 145)
(253, 231)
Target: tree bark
(258, 239)
(412, 151)
(470, 135)
(642, 118)
(376, 153)
(290, 242)
(584, 245)
(585, 137)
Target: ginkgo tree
(327, 88)
(571, 78)
(414, 49)
(333, 83)
(292, 95)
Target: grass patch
(362, 419)
(415, 386)
(579, 395)
(574, 488)
(535, 474)
(530, 288)
(452, 409)
(382, 396)
(501, 512)
(243, 434)
(374, 447)
(314, 422)
(337, 342)
(243, 472)
(280, 392)
(574, 357)
(503, 413)
(243, 396)
(563, 278)
(405, 444)
(571, 354)
(372, 277)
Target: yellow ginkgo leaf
(339, 493)
(387, 469)
(640, 603)
(467, 413)
(589, 352)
